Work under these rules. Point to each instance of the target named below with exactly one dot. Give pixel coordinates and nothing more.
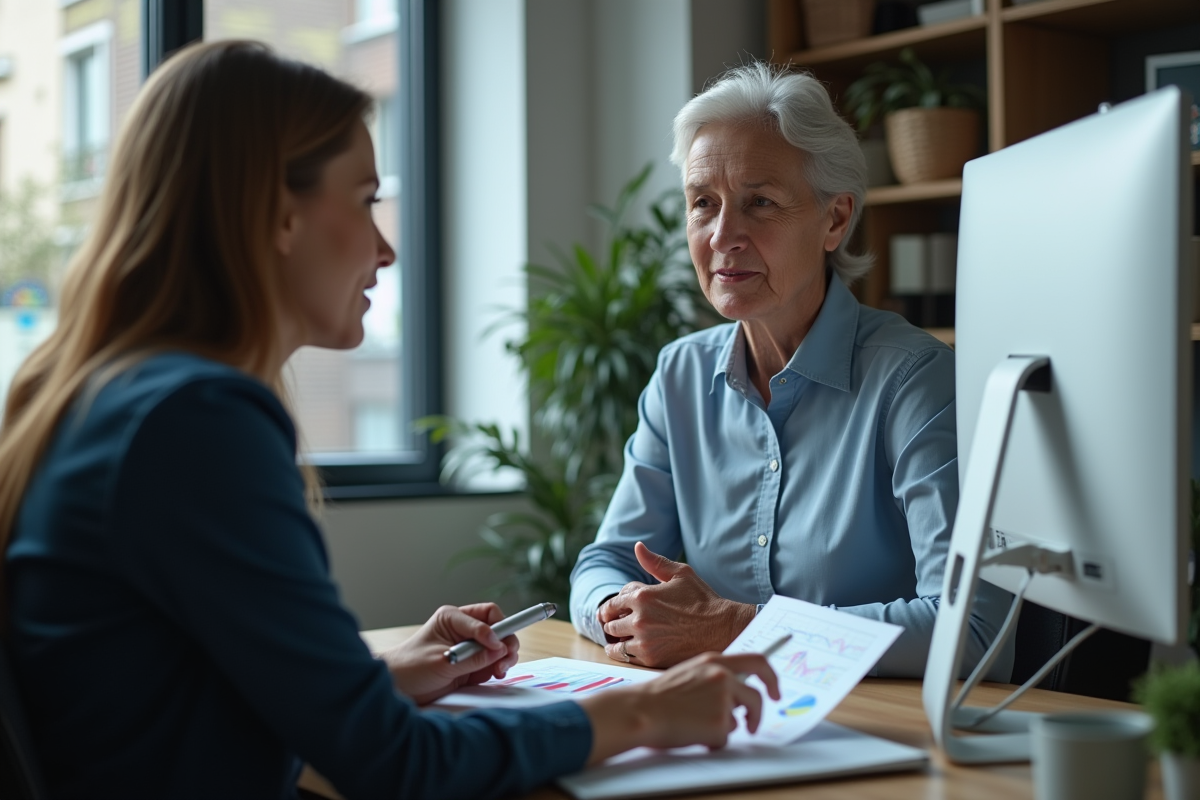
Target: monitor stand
(1010, 729)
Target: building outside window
(87, 104)
(72, 72)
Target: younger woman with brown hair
(173, 625)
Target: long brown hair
(180, 254)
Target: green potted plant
(1171, 695)
(589, 342)
(931, 123)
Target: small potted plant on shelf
(932, 124)
(1171, 695)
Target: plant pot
(931, 144)
(1180, 776)
(833, 21)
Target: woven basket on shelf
(931, 144)
(832, 21)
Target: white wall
(391, 557)
(548, 105)
(484, 204)
(726, 34)
(643, 76)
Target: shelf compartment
(1105, 17)
(947, 41)
(914, 192)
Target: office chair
(20, 777)
(1105, 665)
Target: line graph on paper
(828, 653)
(803, 669)
(546, 680)
(822, 637)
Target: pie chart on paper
(803, 705)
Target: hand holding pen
(419, 666)
(505, 627)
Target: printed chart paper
(548, 680)
(828, 654)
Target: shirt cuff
(584, 613)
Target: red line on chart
(518, 679)
(798, 666)
(550, 687)
(597, 684)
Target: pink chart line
(798, 666)
(603, 683)
(838, 645)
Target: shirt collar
(731, 362)
(824, 356)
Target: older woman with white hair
(808, 447)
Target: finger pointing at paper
(660, 625)
(694, 703)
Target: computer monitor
(1073, 358)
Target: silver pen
(769, 651)
(505, 627)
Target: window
(355, 409)
(68, 73)
(71, 71)
(375, 11)
(385, 133)
(86, 107)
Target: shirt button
(762, 540)
(774, 465)
(782, 381)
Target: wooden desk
(887, 708)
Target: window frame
(171, 24)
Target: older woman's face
(756, 233)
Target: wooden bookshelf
(1046, 63)
(914, 192)
(1101, 17)
(948, 40)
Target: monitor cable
(985, 663)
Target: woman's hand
(663, 624)
(419, 667)
(692, 703)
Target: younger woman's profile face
(331, 249)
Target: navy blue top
(176, 633)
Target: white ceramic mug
(1097, 755)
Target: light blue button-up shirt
(841, 491)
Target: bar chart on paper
(828, 654)
(565, 680)
(547, 680)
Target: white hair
(800, 108)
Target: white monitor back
(1072, 245)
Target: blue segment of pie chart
(801, 706)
